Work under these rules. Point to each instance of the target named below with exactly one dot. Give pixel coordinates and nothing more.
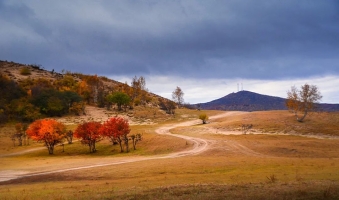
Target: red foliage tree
(89, 134)
(116, 129)
(48, 131)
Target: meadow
(278, 158)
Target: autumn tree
(203, 117)
(9, 91)
(178, 96)
(116, 129)
(119, 98)
(93, 83)
(77, 108)
(66, 83)
(94, 90)
(167, 105)
(48, 131)
(22, 110)
(38, 85)
(139, 91)
(89, 134)
(303, 101)
(84, 90)
(55, 103)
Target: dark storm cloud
(220, 39)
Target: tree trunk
(134, 142)
(50, 149)
(20, 140)
(120, 143)
(94, 149)
(24, 139)
(126, 143)
(303, 117)
(91, 145)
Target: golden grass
(235, 167)
(92, 190)
(283, 122)
(6, 144)
(186, 176)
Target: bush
(203, 117)
(137, 101)
(25, 71)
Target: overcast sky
(204, 47)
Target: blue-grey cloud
(212, 39)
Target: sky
(207, 48)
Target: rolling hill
(250, 101)
(29, 92)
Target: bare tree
(19, 135)
(139, 90)
(69, 136)
(303, 101)
(135, 139)
(126, 139)
(178, 96)
(168, 106)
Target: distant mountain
(250, 101)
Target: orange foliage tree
(303, 100)
(89, 134)
(116, 129)
(48, 131)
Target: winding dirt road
(199, 145)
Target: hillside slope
(14, 72)
(29, 92)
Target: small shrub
(203, 117)
(272, 178)
(137, 102)
(25, 71)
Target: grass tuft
(272, 178)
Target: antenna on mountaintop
(242, 89)
(237, 87)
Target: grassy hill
(30, 92)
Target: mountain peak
(246, 101)
(251, 101)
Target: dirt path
(22, 152)
(199, 145)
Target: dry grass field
(321, 123)
(278, 158)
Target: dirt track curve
(199, 145)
